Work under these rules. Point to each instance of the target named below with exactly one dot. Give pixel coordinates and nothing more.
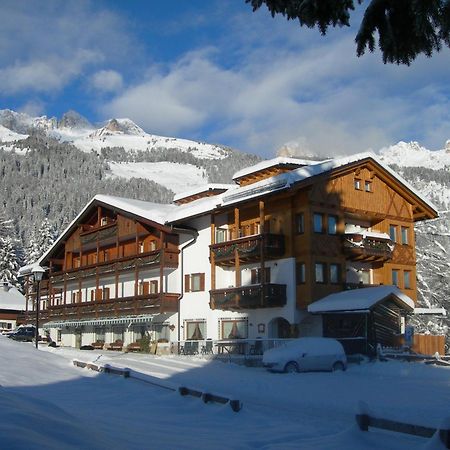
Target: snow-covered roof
(155, 212)
(201, 189)
(369, 234)
(194, 208)
(359, 299)
(431, 311)
(11, 298)
(268, 163)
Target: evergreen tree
(9, 264)
(405, 28)
(41, 240)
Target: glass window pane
(320, 273)
(195, 281)
(395, 277)
(334, 273)
(404, 235)
(407, 279)
(318, 223)
(301, 273)
(300, 222)
(393, 233)
(332, 224)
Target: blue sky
(217, 72)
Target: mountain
(122, 133)
(429, 173)
(50, 168)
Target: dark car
(25, 334)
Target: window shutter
(267, 275)
(106, 293)
(92, 295)
(254, 276)
(187, 287)
(202, 281)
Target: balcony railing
(362, 247)
(267, 295)
(141, 304)
(144, 260)
(249, 248)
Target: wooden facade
(310, 222)
(107, 244)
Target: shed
(363, 318)
(12, 302)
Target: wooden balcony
(249, 249)
(267, 295)
(119, 307)
(361, 247)
(142, 261)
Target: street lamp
(38, 273)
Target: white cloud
(47, 45)
(107, 81)
(322, 95)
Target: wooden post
(237, 264)
(262, 277)
(212, 255)
(162, 244)
(65, 288)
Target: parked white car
(306, 354)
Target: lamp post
(38, 273)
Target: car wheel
(338, 366)
(291, 367)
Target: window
(118, 333)
(194, 282)
(106, 292)
(99, 334)
(103, 221)
(332, 224)
(195, 329)
(300, 223)
(300, 273)
(153, 287)
(141, 247)
(319, 272)
(357, 184)
(405, 236)
(368, 186)
(256, 276)
(152, 246)
(395, 277)
(335, 273)
(318, 223)
(234, 329)
(407, 279)
(393, 233)
(221, 235)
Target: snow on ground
(174, 176)
(6, 135)
(46, 402)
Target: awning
(360, 300)
(130, 320)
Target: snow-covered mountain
(77, 130)
(412, 154)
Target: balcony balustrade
(365, 247)
(267, 295)
(142, 261)
(118, 307)
(248, 248)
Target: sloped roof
(268, 163)
(11, 298)
(154, 212)
(360, 300)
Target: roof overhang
(361, 301)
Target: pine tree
(9, 264)
(405, 28)
(41, 240)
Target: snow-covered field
(174, 176)
(47, 403)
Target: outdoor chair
(207, 349)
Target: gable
(366, 186)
